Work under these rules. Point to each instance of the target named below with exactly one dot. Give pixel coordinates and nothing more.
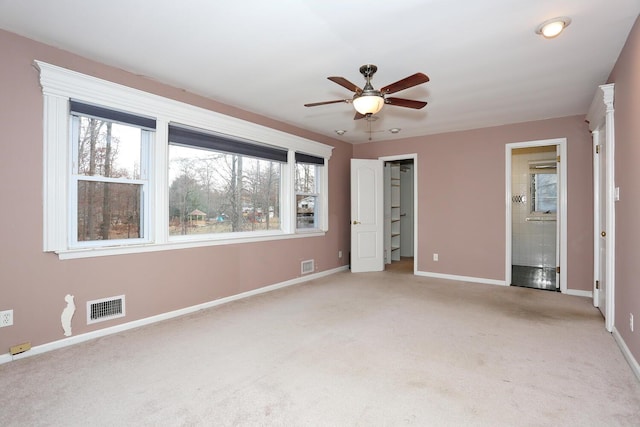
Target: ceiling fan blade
(406, 83)
(409, 103)
(359, 116)
(345, 84)
(314, 104)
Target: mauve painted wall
(461, 191)
(626, 76)
(34, 284)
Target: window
(544, 193)
(126, 171)
(109, 179)
(221, 185)
(543, 186)
(308, 188)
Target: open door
(367, 222)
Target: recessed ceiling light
(395, 130)
(553, 27)
(341, 132)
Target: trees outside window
(235, 193)
(107, 181)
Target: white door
(367, 192)
(601, 158)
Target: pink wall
(34, 284)
(626, 76)
(461, 185)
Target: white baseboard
(4, 358)
(578, 293)
(633, 363)
(461, 278)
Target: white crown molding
(58, 81)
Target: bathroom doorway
(535, 212)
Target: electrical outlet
(631, 321)
(6, 318)
(339, 254)
(435, 257)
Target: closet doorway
(536, 215)
(400, 208)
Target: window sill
(178, 244)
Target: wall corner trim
(77, 339)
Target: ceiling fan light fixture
(368, 104)
(553, 27)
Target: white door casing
(415, 216)
(367, 192)
(559, 210)
(595, 140)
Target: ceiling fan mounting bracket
(368, 70)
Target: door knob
(603, 233)
(355, 222)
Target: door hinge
(598, 149)
(558, 159)
(597, 284)
(557, 270)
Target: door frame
(414, 157)
(561, 216)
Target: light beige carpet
(372, 349)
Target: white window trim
(59, 85)
(143, 182)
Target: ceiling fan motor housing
(368, 70)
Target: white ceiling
(487, 66)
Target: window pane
(108, 211)
(214, 192)
(306, 211)
(544, 191)
(305, 178)
(108, 149)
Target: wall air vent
(105, 309)
(307, 267)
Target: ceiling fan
(369, 101)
